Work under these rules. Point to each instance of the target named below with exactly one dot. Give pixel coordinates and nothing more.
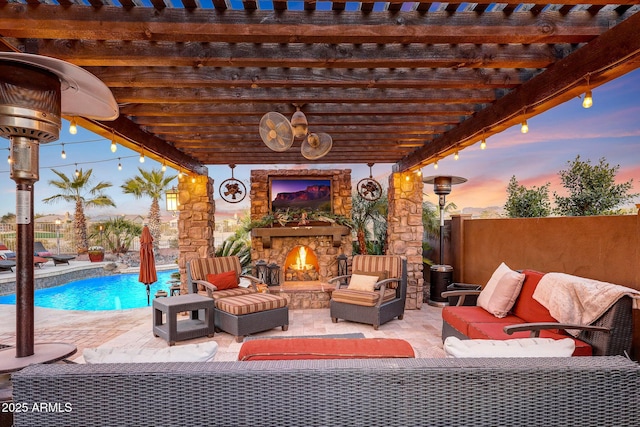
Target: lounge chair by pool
(41, 251)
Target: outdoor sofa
(569, 391)
(610, 334)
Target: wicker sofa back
(585, 391)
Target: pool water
(117, 292)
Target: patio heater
(34, 93)
(441, 275)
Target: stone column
(196, 222)
(405, 230)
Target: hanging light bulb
(63, 154)
(483, 144)
(114, 146)
(435, 165)
(587, 102)
(407, 178)
(193, 179)
(180, 174)
(419, 172)
(456, 156)
(164, 167)
(9, 158)
(142, 157)
(525, 127)
(77, 171)
(73, 127)
(119, 164)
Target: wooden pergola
(405, 83)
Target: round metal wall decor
(232, 190)
(368, 188)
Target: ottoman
(247, 314)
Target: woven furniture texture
(541, 392)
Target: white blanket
(579, 301)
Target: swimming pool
(117, 292)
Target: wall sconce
(274, 274)
(171, 197)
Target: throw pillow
(202, 352)
(362, 282)
(226, 280)
(501, 291)
(517, 347)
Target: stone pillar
(405, 230)
(196, 222)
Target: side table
(177, 330)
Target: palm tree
(152, 184)
(365, 214)
(79, 190)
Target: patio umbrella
(147, 262)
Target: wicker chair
(241, 310)
(376, 307)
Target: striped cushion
(365, 298)
(253, 303)
(229, 293)
(200, 267)
(391, 264)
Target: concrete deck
(133, 328)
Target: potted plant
(96, 253)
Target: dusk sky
(609, 129)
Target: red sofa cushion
(526, 308)
(494, 331)
(324, 348)
(459, 317)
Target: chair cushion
(500, 293)
(234, 292)
(225, 280)
(363, 282)
(325, 348)
(518, 347)
(527, 308)
(364, 298)
(461, 317)
(250, 303)
(201, 352)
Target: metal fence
(61, 238)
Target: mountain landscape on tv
(315, 197)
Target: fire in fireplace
(301, 264)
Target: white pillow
(181, 353)
(517, 347)
(362, 282)
(501, 291)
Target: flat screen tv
(312, 194)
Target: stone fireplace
(321, 243)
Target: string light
(456, 156)
(193, 179)
(63, 154)
(77, 171)
(114, 146)
(587, 102)
(9, 158)
(142, 156)
(119, 164)
(435, 165)
(164, 167)
(483, 144)
(73, 127)
(525, 126)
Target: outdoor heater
(34, 93)
(441, 275)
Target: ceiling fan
(278, 133)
